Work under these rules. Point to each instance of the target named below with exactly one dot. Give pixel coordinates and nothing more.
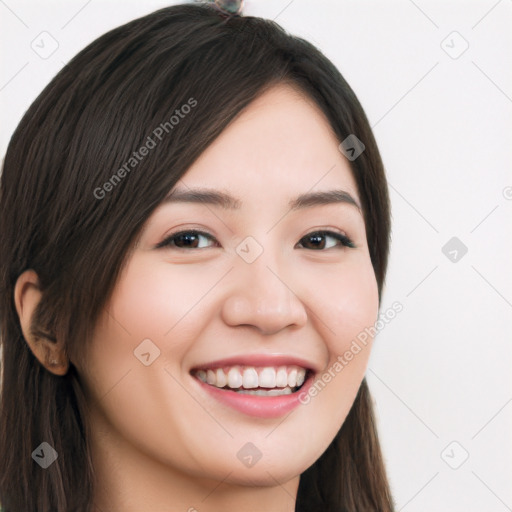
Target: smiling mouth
(254, 380)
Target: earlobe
(27, 295)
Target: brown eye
(317, 240)
(190, 239)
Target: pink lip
(259, 406)
(258, 360)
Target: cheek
(146, 305)
(344, 307)
(344, 301)
(128, 396)
(358, 302)
(152, 302)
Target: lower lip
(258, 406)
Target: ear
(51, 354)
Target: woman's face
(256, 299)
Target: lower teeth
(266, 392)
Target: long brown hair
(77, 134)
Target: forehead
(281, 143)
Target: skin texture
(159, 442)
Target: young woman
(195, 227)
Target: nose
(263, 297)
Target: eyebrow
(228, 202)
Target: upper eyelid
(206, 233)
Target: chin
(264, 476)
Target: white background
(440, 371)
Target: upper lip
(259, 360)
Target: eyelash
(344, 239)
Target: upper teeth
(250, 377)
